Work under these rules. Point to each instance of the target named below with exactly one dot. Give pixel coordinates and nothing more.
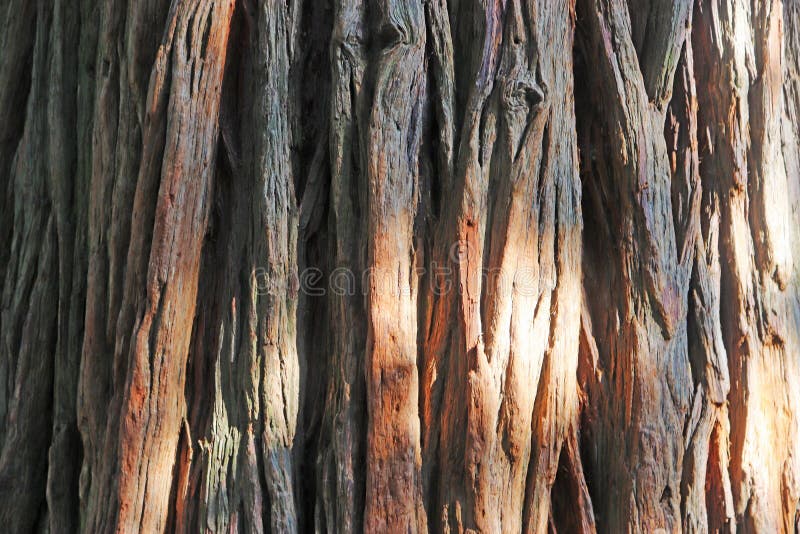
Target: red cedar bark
(236, 450)
(393, 457)
(342, 446)
(510, 120)
(440, 266)
(271, 327)
(159, 293)
(742, 119)
(641, 397)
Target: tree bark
(422, 266)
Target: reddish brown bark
(419, 266)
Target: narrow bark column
(697, 212)
(168, 225)
(42, 300)
(512, 312)
(508, 229)
(460, 392)
(393, 469)
(18, 26)
(271, 259)
(28, 321)
(68, 182)
(438, 283)
(236, 465)
(213, 479)
(740, 62)
(334, 296)
(637, 269)
(791, 152)
(341, 482)
(151, 416)
(95, 383)
(556, 409)
(119, 94)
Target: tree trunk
(437, 266)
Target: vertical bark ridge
(67, 181)
(170, 214)
(116, 140)
(340, 501)
(19, 29)
(791, 136)
(29, 325)
(556, 407)
(243, 357)
(393, 456)
(271, 256)
(743, 161)
(500, 244)
(641, 397)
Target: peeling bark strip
(416, 266)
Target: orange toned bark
(751, 176)
(393, 458)
(169, 219)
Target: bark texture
(441, 266)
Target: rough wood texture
(440, 266)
